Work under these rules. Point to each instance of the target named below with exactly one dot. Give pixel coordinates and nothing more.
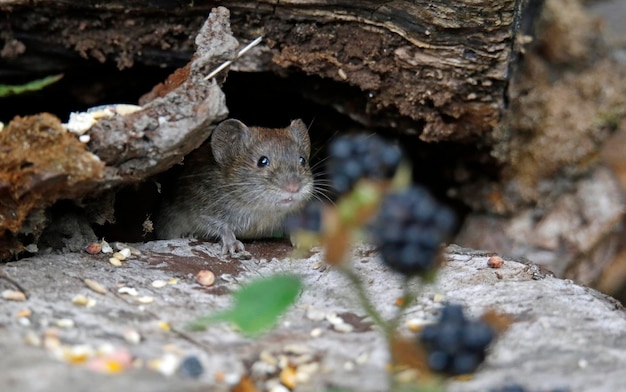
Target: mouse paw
(232, 247)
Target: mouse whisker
(322, 181)
(322, 198)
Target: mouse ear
(228, 139)
(301, 134)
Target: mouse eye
(263, 161)
(302, 161)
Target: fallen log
(441, 67)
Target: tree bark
(439, 69)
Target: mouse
(242, 183)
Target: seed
(128, 290)
(132, 336)
(159, 283)
(133, 251)
(315, 314)
(106, 248)
(415, 325)
(124, 108)
(277, 388)
(82, 300)
(206, 278)
(77, 354)
(13, 295)
(438, 298)
(105, 349)
(64, 323)
(32, 339)
(51, 339)
(343, 327)
(95, 286)
(166, 365)
(306, 371)
(262, 369)
(268, 358)
(93, 248)
(115, 261)
(495, 262)
(24, 313)
(296, 349)
(288, 377)
(145, 299)
(119, 256)
(333, 318)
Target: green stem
(371, 311)
(367, 305)
(409, 297)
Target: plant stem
(371, 311)
(409, 297)
(366, 303)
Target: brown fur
(222, 193)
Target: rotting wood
(122, 149)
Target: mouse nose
(292, 186)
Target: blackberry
(309, 219)
(191, 367)
(409, 229)
(361, 156)
(455, 345)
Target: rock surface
(562, 336)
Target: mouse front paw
(232, 246)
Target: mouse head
(269, 166)
(231, 139)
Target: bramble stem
(366, 303)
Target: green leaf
(257, 305)
(6, 90)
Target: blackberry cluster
(309, 219)
(361, 156)
(456, 345)
(409, 229)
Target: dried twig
(229, 62)
(18, 286)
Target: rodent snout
(292, 186)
